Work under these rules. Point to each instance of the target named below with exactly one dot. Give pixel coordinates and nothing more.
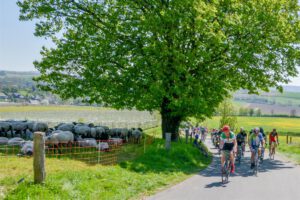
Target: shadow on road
(242, 169)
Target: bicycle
(239, 154)
(272, 150)
(261, 154)
(256, 161)
(226, 167)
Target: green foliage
(251, 112)
(228, 115)
(243, 111)
(181, 57)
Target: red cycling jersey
(273, 137)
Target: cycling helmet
(226, 128)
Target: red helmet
(226, 128)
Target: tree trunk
(170, 122)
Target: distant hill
(273, 102)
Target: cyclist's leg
(222, 158)
(232, 161)
(252, 157)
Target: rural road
(277, 179)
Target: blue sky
(19, 47)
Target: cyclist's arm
(235, 145)
(263, 143)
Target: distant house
(34, 102)
(3, 96)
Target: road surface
(277, 179)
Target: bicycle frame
(256, 161)
(239, 153)
(226, 168)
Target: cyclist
(228, 145)
(243, 138)
(273, 141)
(265, 138)
(255, 140)
(240, 139)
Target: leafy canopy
(186, 55)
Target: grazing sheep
(16, 141)
(4, 128)
(27, 148)
(87, 142)
(28, 135)
(116, 141)
(103, 146)
(19, 127)
(3, 140)
(137, 135)
(66, 127)
(82, 130)
(60, 137)
(40, 126)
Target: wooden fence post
(290, 140)
(39, 157)
(287, 139)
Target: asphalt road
(277, 179)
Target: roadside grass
(292, 150)
(141, 175)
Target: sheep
(4, 128)
(27, 148)
(87, 142)
(40, 126)
(66, 127)
(103, 146)
(19, 127)
(137, 135)
(82, 129)
(16, 141)
(116, 141)
(3, 140)
(60, 137)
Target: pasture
(142, 174)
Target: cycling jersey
(240, 139)
(228, 142)
(256, 140)
(273, 136)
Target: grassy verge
(144, 174)
(291, 151)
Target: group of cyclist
(229, 143)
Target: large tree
(180, 57)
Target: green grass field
(283, 125)
(292, 150)
(142, 175)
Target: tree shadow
(242, 169)
(181, 157)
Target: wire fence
(105, 152)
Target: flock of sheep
(20, 133)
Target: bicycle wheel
(225, 172)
